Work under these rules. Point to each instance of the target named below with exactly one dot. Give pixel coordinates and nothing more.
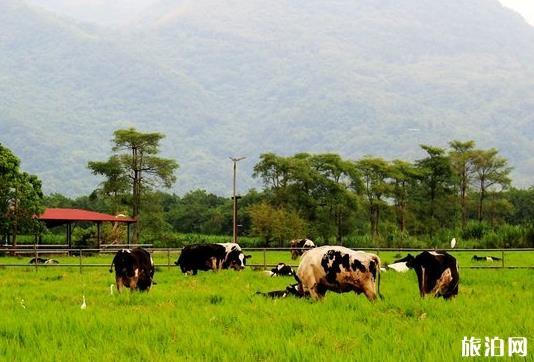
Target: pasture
(218, 317)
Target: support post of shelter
(99, 234)
(128, 235)
(69, 234)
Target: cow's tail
(378, 267)
(112, 263)
(378, 284)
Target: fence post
(168, 258)
(35, 253)
(80, 261)
(264, 259)
(502, 257)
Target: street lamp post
(235, 160)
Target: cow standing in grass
(211, 257)
(338, 269)
(134, 269)
(299, 246)
(437, 273)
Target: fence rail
(45, 251)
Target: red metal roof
(81, 215)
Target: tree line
(460, 191)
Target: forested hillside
(224, 78)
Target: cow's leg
(421, 280)
(134, 279)
(119, 283)
(308, 284)
(214, 264)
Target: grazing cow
(299, 246)
(339, 269)
(485, 258)
(211, 257)
(43, 261)
(282, 269)
(134, 269)
(437, 273)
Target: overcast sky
(524, 7)
(115, 12)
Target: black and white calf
(485, 258)
(134, 269)
(292, 289)
(299, 246)
(339, 269)
(282, 269)
(211, 257)
(437, 273)
(43, 261)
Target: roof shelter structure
(55, 217)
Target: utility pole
(234, 197)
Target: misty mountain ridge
(225, 78)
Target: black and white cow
(299, 246)
(134, 269)
(43, 261)
(292, 289)
(282, 269)
(339, 269)
(485, 258)
(437, 273)
(211, 257)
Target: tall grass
(218, 317)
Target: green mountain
(243, 77)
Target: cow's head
(295, 250)
(299, 246)
(401, 265)
(236, 260)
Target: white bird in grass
(453, 243)
(84, 305)
(111, 289)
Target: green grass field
(218, 317)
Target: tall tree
(462, 163)
(116, 183)
(275, 172)
(276, 224)
(375, 173)
(403, 175)
(522, 201)
(436, 180)
(136, 160)
(491, 172)
(334, 177)
(20, 197)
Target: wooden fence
(78, 256)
